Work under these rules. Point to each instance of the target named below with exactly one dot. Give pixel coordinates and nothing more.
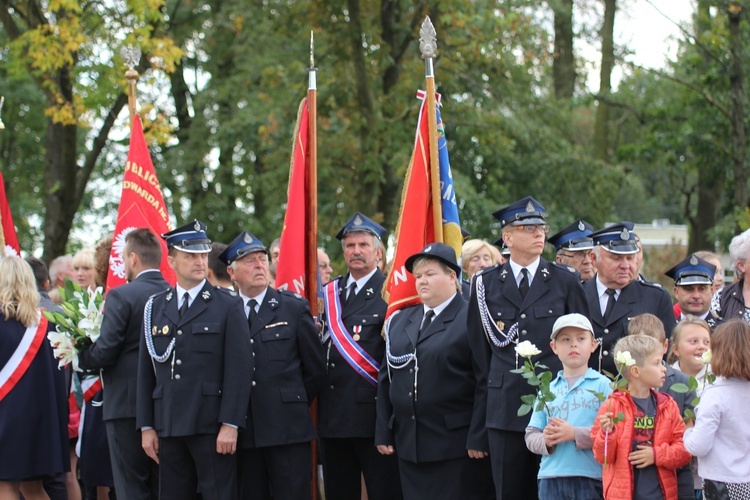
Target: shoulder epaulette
(291, 294)
(488, 269)
(563, 266)
(228, 291)
(646, 282)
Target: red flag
(8, 238)
(141, 205)
(290, 269)
(416, 229)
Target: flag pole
(2, 101)
(428, 47)
(131, 56)
(311, 280)
(312, 185)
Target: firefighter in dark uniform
(617, 293)
(510, 303)
(274, 455)
(574, 247)
(194, 374)
(354, 346)
(693, 281)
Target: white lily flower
(526, 349)
(624, 359)
(63, 349)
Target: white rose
(624, 359)
(526, 349)
(706, 357)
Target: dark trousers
(441, 479)
(190, 464)
(514, 467)
(346, 459)
(136, 475)
(279, 472)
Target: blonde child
(638, 432)
(721, 436)
(651, 326)
(691, 339)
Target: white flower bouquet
(79, 325)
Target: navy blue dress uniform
(116, 353)
(275, 455)
(428, 414)
(638, 297)
(694, 271)
(194, 375)
(347, 401)
(499, 317)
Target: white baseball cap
(575, 320)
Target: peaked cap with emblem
(190, 238)
(576, 236)
(692, 271)
(360, 223)
(524, 212)
(618, 238)
(244, 244)
(436, 251)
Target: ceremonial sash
(90, 385)
(21, 359)
(357, 357)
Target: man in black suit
(617, 293)
(274, 453)
(510, 303)
(355, 312)
(194, 374)
(116, 354)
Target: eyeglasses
(532, 228)
(577, 255)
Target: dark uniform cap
(618, 238)
(190, 238)
(692, 271)
(504, 250)
(437, 251)
(360, 223)
(525, 212)
(576, 236)
(244, 244)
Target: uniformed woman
(427, 387)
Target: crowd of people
(204, 389)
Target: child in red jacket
(638, 431)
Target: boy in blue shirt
(569, 469)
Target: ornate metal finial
(427, 39)
(312, 50)
(2, 125)
(131, 56)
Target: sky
(647, 28)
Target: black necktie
(251, 313)
(351, 292)
(185, 304)
(610, 303)
(426, 320)
(523, 286)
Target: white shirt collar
(440, 308)
(258, 298)
(361, 282)
(193, 292)
(516, 268)
(601, 289)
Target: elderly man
(574, 247)
(517, 301)
(617, 293)
(354, 315)
(693, 288)
(324, 266)
(275, 457)
(194, 375)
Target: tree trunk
(601, 125)
(563, 60)
(736, 80)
